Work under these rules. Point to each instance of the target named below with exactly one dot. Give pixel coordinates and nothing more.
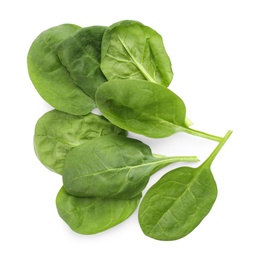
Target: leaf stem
(201, 134)
(166, 160)
(177, 158)
(212, 156)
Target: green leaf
(178, 202)
(112, 166)
(80, 54)
(50, 78)
(131, 50)
(92, 215)
(56, 133)
(144, 108)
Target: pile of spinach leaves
(124, 71)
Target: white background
(215, 51)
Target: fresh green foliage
(179, 201)
(92, 215)
(131, 50)
(50, 78)
(112, 167)
(144, 108)
(80, 54)
(56, 133)
(123, 70)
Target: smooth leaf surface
(179, 201)
(50, 78)
(92, 215)
(56, 133)
(131, 50)
(80, 53)
(141, 107)
(144, 108)
(112, 166)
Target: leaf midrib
(138, 65)
(57, 140)
(85, 52)
(128, 167)
(178, 199)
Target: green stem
(201, 134)
(177, 158)
(166, 160)
(212, 156)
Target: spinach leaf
(50, 78)
(144, 108)
(80, 54)
(179, 201)
(131, 50)
(56, 133)
(112, 167)
(92, 215)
